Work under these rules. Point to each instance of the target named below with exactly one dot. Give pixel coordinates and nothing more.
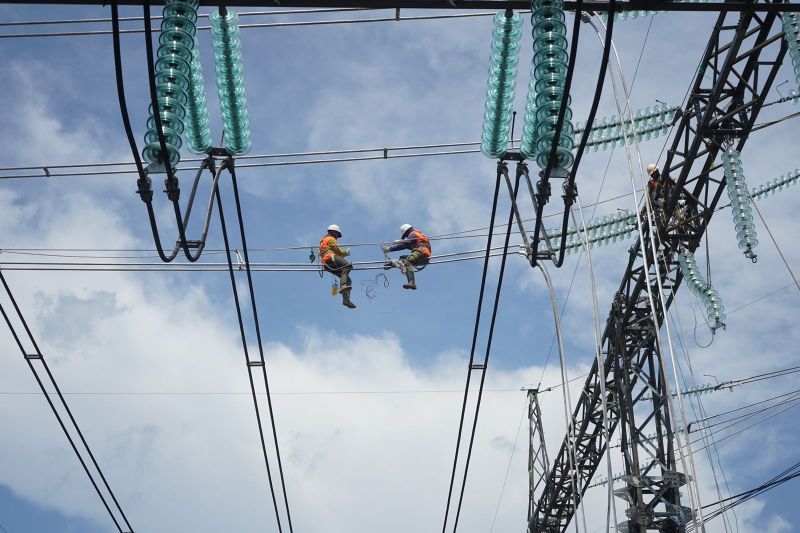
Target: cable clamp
(477, 366)
(172, 188)
(31, 356)
(145, 189)
(46, 171)
(255, 363)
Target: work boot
(346, 299)
(410, 275)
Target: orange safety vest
(423, 243)
(324, 248)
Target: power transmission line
(381, 153)
(109, 20)
(35, 355)
(396, 18)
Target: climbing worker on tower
(420, 246)
(659, 188)
(333, 260)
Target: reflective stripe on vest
(423, 243)
(324, 248)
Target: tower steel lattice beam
(538, 462)
(738, 69)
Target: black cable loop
(569, 186)
(501, 168)
(545, 181)
(144, 183)
(488, 349)
(53, 408)
(246, 353)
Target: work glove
(346, 251)
(385, 249)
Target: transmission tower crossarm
(738, 68)
(494, 5)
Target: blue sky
(351, 460)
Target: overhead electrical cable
(50, 22)
(117, 514)
(611, 506)
(707, 437)
(693, 488)
(596, 202)
(790, 403)
(144, 188)
(543, 187)
(393, 18)
(248, 361)
(787, 475)
(508, 468)
(487, 353)
(472, 349)
(565, 394)
(256, 322)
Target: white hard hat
(334, 227)
(651, 168)
(403, 229)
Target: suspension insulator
(700, 288)
(647, 124)
(740, 202)
(550, 59)
(198, 129)
(791, 32)
(230, 82)
(778, 184)
(527, 145)
(630, 15)
(502, 79)
(599, 232)
(172, 72)
(635, 13)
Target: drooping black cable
(40, 357)
(229, 165)
(570, 185)
(500, 167)
(488, 351)
(173, 188)
(145, 190)
(787, 475)
(544, 184)
(247, 354)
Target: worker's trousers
(341, 267)
(414, 259)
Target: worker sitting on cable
(333, 260)
(420, 246)
(659, 188)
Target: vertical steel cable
(64, 404)
(229, 164)
(247, 355)
(500, 166)
(488, 348)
